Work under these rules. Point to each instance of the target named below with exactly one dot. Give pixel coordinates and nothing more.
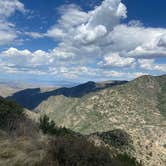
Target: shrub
(10, 113)
(49, 127)
(72, 151)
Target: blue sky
(54, 42)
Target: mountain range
(137, 107)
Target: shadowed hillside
(31, 98)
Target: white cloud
(91, 45)
(107, 14)
(72, 16)
(8, 7)
(8, 32)
(135, 40)
(149, 64)
(46, 63)
(98, 33)
(81, 34)
(87, 36)
(25, 58)
(114, 60)
(56, 33)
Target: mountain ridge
(31, 98)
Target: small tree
(46, 125)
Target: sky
(73, 41)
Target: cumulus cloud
(136, 41)
(114, 60)
(92, 45)
(99, 33)
(46, 63)
(25, 58)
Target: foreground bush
(77, 151)
(10, 114)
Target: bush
(46, 125)
(77, 151)
(10, 113)
(49, 127)
(73, 151)
(68, 148)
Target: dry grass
(22, 151)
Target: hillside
(137, 107)
(26, 143)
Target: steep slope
(137, 102)
(137, 107)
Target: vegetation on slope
(137, 107)
(58, 147)
(68, 148)
(117, 138)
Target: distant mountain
(31, 98)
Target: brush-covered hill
(24, 142)
(138, 107)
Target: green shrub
(45, 125)
(10, 113)
(49, 127)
